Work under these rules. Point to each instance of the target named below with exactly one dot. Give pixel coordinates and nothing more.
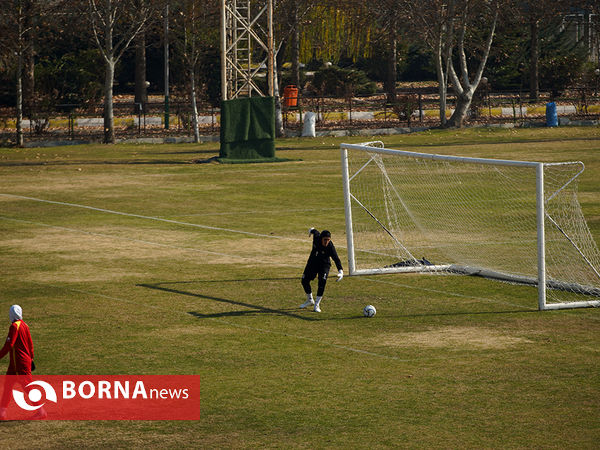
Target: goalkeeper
(318, 264)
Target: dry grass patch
(190, 331)
(105, 244)
(84, 273)
(453, 337)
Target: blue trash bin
(551, 115)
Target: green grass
(208, 282)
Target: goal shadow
(399, 316)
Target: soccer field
(130, 259)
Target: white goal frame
(540, 281)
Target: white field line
(240, 213)
(140, 216)
(161, 219)
(141, 241)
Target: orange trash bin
(290, 95)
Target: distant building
(585, 28)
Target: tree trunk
(109, 118)
(166, 64)
(28, 77)
(443, 92)
(392, 74)
(141, 91)
(442, 83)
(463, 103)
(194, 106)
(296, 46)
(20, 98)
(279, 131)
(28, 73)
(109, 79)
(534, 87)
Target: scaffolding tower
(246, 48)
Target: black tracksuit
(319, 264)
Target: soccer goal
(514, 221)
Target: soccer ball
(369, 311)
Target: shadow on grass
(252, 309)
(94, 163)
(233, 280)
(187, 152)
(292, 312)
(439, 314)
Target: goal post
(515, 221)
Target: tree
(295, 44)
(141, 89)
(536, 16)
(335, 29)
(463, 86)
(388, 17)
(328, 30)
(13, 30)
(287, 16)
(114, 24)
(195, 29)
(18, 19)
(460, 33)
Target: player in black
(319, 264)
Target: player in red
(20, 347)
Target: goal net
(515, 221)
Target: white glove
(310, 231)
(340, 275)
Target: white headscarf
(15, 313)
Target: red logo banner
(100, 397)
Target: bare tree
(295, 41)
(17, 20)
(453, 29)
(464, 87)
(12, 39)
(533, 16)
(114, 24)
(194, 28)
(389, 19)
(141, 89)
(289, 16)
(537, 16)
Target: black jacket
(320, 256)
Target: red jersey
(20, 346)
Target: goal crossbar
(434, 156)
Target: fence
(71, 121)
(410, 108)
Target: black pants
(310, 273)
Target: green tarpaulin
(248, 128)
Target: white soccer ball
(369, 311)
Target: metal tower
(246, 47)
